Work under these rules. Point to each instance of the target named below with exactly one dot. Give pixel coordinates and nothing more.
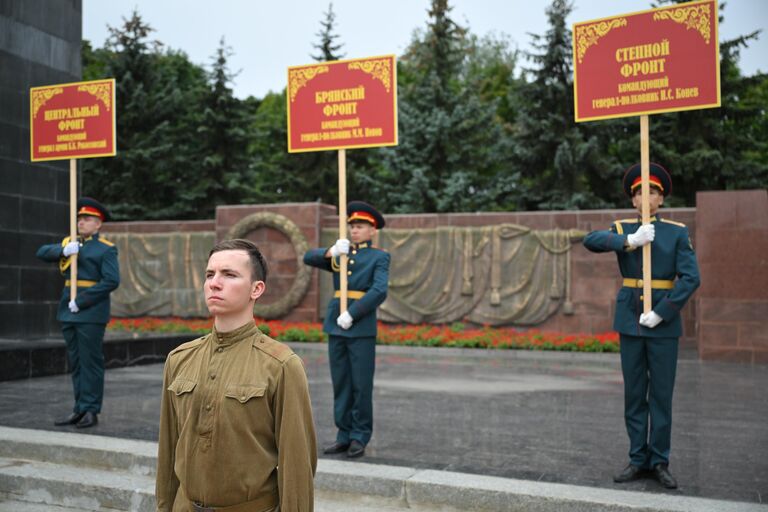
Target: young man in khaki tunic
(236, 429)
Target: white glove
(71, 248)
(345, 320)
(644, 235)
(650, 319)
(73, 306)
(340, 247)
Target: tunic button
(208, 407)
(219, 349)
(349, 272)
(354, 252)
(242, 398)
(351, 262)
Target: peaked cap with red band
(359, 210)
(90, 206)
(657, 176)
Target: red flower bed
(455, 335)
(458, 335)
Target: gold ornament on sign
(102, 91)
(41, 96)
(697, 17)
(298, 78)
(588, 35)
(380, 69)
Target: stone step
(80, 450)
(341, 502)
(88, 473)
(77, 487)
(6, 505)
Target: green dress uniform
(98, 275)
(352, 352)
(649, 355)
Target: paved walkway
(548, 417)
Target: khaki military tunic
(235, 425)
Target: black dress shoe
(89, 419)
(631, 472)
(335, 448)
(665, 478)
(69, 420)
(356, 449)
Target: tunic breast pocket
(246, 401)
(244, 393)
(182, 388)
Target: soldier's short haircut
(258, 263)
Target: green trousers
(649, 366)
(86, 360)
(352, 361)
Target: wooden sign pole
(73, 226)
(646, 209)
(343, 227)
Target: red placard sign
(654, 61)
(74, 120)
(342, 104)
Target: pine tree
(157, 93)
(452, 145)
(327, 46)
(284, 177)
(556, 157)
(223, 136)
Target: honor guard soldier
(84, 319)
(352, 334)
(649, 341)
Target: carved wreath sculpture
(300, 285)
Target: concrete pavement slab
(542, 417)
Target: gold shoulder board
(673, 222)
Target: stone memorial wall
(727, 318)
(39, 45)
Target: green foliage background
(483, 126)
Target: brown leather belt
(352, 294)
(658, 284)
(263, 504)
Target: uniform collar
(654, 218)
(231, 337)
(362, 245)
(94, 236)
